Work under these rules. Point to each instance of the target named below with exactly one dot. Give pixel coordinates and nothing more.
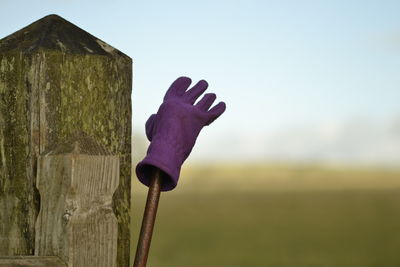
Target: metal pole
(149, 217)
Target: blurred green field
(276, 215)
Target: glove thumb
(150, 126)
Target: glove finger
(205, 103)
(150, 126)
(178, 87)
(215, 112)
(192, 94)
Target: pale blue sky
(279, 65)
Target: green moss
(14, 142)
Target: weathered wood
(76, 221)
(56, 79)
(31, 261)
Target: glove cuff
(159, 155)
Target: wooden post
(76, 221)
(56, 79)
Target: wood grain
(31, 261)
(76, 221)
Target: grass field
(277, 215)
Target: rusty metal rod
(149, 217)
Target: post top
(53, 32)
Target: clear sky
(289, 71)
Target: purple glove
(174, 129)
